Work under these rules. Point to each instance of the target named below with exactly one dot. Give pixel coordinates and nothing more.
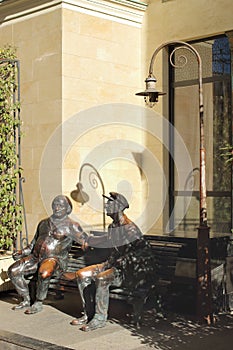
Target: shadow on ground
(172, 331)
(161, 331)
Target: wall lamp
(151, 95)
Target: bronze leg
(16, 272)
(85, 277)
(103, 281)
(46, 271)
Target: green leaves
(10, 210)
(227, 153)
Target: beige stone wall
(73, 60)
(101, 63)
(38, 42)
(184, 20)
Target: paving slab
(51, 329)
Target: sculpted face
(111, 207)
(59, 207)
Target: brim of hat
(111, 199)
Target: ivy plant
(10, 172)
(227, 153)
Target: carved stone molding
(126, 11)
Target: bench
(165, 254)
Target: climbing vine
(10, 209)
(227, 153)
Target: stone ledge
(14, 341)
(5, 262)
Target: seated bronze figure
(129, 262)
(47, 253)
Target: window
(184, 115)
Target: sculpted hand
(85, 245)
(17, 255)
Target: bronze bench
(165, 254)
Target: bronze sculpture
(129, 261)
(47, 254)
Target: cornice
(125, 11)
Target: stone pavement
(50, 329)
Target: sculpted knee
(9, 272)
(83, 274)
(105, 277)
(83, 279)
(104, 281)
(13, 272)
(45, 274)
(78, 275)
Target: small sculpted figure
(47, 254)
(128, 262)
